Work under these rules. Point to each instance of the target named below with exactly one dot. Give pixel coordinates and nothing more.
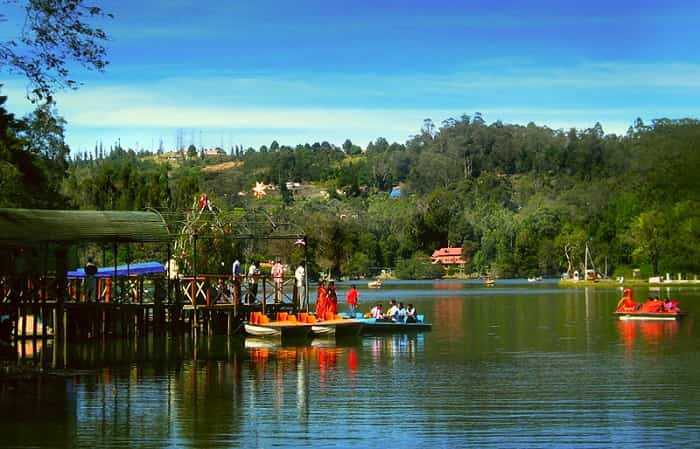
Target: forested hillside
(519, 200)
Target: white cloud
(318, 107)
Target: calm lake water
(514, 366)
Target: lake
(513, 366)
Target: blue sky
(231, 73)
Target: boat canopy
(121, 270)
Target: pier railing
(260, 290)
(44, 305)
(205, 289)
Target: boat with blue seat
(375, 326)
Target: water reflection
(451, 315)
(649, 332)
(541, 368)
(447, 286)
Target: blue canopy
(121, 270)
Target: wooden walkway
(138, 306)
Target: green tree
(419, 266)
(650, 232)
(682, 252)
(16, 165)
(571, 244)
(56, 34)
(43, 132)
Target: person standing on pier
(90, 280)
(253, 273)
(331, 299)
(236, 272)
(352, 300)
(321, 300)
(300, 285)
(277, 278)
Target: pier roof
(19, 226)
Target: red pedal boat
(652, 309)
(639, 315)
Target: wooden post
(194, 269)
(144, 325)
(108, 290)
(114, 273)
(23, 348)
(93, 318)
(264, 287)
(263, 295)
(42, 315)
(23, 316)
(140, 289)
(65, 327)
(56, 326)
(168, 277)
(124, 322)
(37, 316)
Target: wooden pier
(206, 305)
(39, 299)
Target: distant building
(214, 152)
(448, 256)
(172, 155)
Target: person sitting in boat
(671, 305)
(393, 312)
(376, 312)
(626, 303)
(653, 305)
(401, 314)
(411, 316)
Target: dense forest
(520, 200)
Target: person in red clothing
(653, 305)
(352, 301)
(331, 299)
(626, 303)
(321, 300)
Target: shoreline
(630, 283)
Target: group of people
(326, 299)
(396, 312)
(651, 305)
(277, 273)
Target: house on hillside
(172, 155)
(448, 256)
(215, 152)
